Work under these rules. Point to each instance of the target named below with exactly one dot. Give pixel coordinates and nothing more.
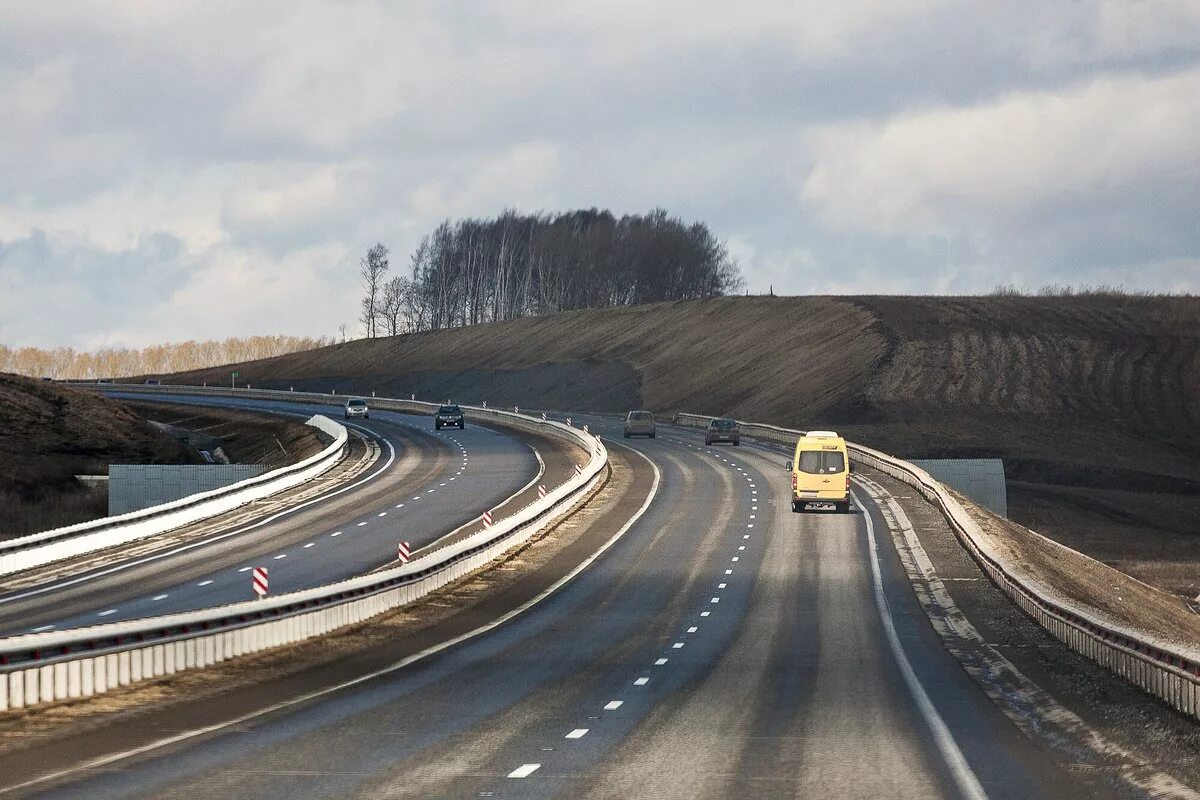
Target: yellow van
(821, 472)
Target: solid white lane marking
(524, 771)
(613, 705)
(281, 555)
(106, 613)
(967, 783)
(578, 733)
(204, 583)
(693, 629)
(310, 544)
(641, 681)
(677, 645)
(660, 662)
(159, 597)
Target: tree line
(515, 265)
(65, 363)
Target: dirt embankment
(49, 434)
(1093, 402)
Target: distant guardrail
(1166, 670)
(49, 546)
(40, 668)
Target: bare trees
(372, 267)
(66, 363)
(515, 265)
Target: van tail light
(793, 481)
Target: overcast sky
(173, 170)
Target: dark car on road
(722, 430)
(450, 416)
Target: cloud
(169, 171)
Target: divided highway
(424, 481)
(722, 647)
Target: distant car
(153, 382)
(722, 430)
(639, 423)
(357, 408)
(449, 416)
(104, 380)
(45, 378)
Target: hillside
(49, 433)
(1093, 401)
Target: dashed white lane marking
(641, 681)
(728, 572)
(204, 583)
(310, 544)
(660, 662)
(336, 533)
(247, 569)
(281, 555)
(399, 505)
(383, 513)
(747, 536)
(735, 559)
(524, 771)
(715, 600)
(613, 705)
(106, 613)
(693, 629)
(428, 491)
(159, 597)
(418, 497)
(578, 733)
(41, 628)
(750, 525)
(362, 524)
(677, 645)
(705, 613)
(452, 477)
(752, 516)
(441, 484)
(722, 585)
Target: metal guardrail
(53, 545)
(1167, 670)
(62, 665)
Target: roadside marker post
(405, 552)
(578, 470)
(568, 421)
(487, 519)
(543, 416)
(259, 581)
(585, 429)
(516, 410)
(541, 492)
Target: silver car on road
(639, 423)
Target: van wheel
(797, 506)
(842, 508)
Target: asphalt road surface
(724, 647)
(425, 484)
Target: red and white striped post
(516, 409)
(487, 519)
(541, 492)
(543, 416)
(404, 551)
(568, 420)
(585, 429)
(258, 580)
(578, 470)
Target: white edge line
(404, 662)
(966, 781)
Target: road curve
(724, 647)
(426, 484)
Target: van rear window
(817, 462)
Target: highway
(722, 647)
(426, 483)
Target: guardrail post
(4, 696)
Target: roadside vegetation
(518, 265)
